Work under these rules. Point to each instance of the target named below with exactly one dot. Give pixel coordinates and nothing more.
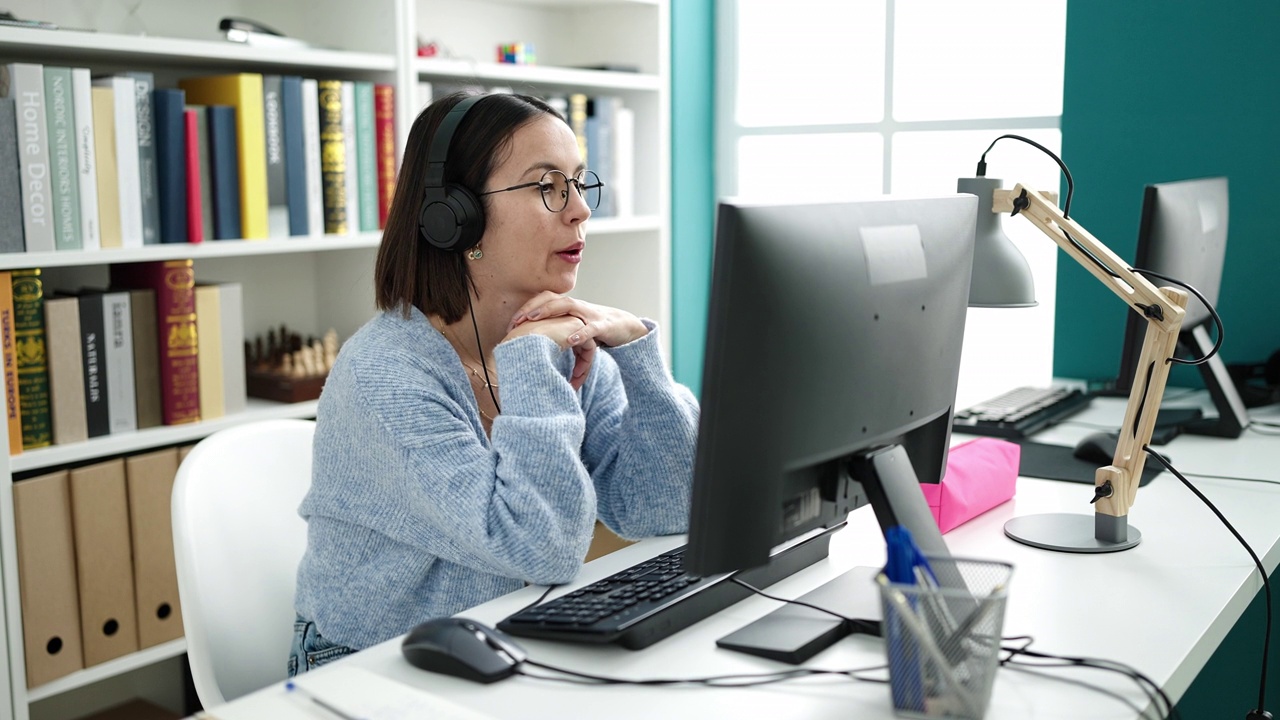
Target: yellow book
(104, 148)
(9, 354)
(243, 91)
(209, 351)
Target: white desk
(1162, 607)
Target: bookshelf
(312, 283)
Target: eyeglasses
(554, 187)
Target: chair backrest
(238, 540)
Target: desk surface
(1162, 607)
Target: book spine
(277, 193)
(93, 357)
(148, 179)
(349, 154)
(107, 173)
(206, 170)
(174, 284)
(146, 357)
(128, 179)
(12, 413)
(26, 87)
(578, 123)
(333, 157)
(231, 311)
(385, 121)
(624, 164)
(170, 158)
(194, 188)
(86, 159)
(209, 356)
(33, 376)
(295, 161)
(11, 239)
(117, 343)
(59, 112)
(243, 91)
(366, 156)
(311, 149)
(225, 172)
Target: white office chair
(237, 541)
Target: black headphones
(452, 217)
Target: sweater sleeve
(640, 440)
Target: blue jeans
(310, 650)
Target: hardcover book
(311, 150)
(174, 284)
(171, 164)
(86, 158)
(209, 330)
(295, 161)
(124, 105)
(10, 360)
(146, 358)
(352, 184)
(64, 167)
(242, 91)
(277, 195)
(66, 369)
(24, 82)
(199, 161)
(117, 345)
(11, 239)
(193, 183)
(384, 97)
(224, 172)
(366, 157)
(231, 313)
(333, 158)
(106, 173)
(148, 178)
(93, 359)
(33, 375)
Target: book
(311, 151)
(124, 106)
(24, 82)
(64, 170)
(295, 161)
(604, 115)
(194, 187)
(242, 91)
(333, 158)
(231, 314)
(29, 349)
(117, 349)
(624, 163)
(366, 156)
(384, 98)
(578, 123)
(66, 369)
(170, 158)
(352, 184)
(209, 330)
(146, 358)
(174, 284)
(86, 158)
(277, 194)
(148, 176)
(11, 239)
(224, 170)
(93, 360)
(201, 163)
(10, 360)
(106, 173)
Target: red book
(195, 214)
(384, 128)
(174, 284)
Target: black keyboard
(1020, 412)
(651, 600)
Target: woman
(471, 433)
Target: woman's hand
(604, 325)
(560, 329)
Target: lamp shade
(1001, 275)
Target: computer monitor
(1183, 235)
(833, 349)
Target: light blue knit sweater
(415, 513)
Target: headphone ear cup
(454, 221)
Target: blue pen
(293, 687)
(902, 649)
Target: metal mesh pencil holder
(942, 637)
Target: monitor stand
(1232, 418)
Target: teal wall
(1160, 90)
(693, 51)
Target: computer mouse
(462, 648)
(1098, 447)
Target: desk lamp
(1002, 278)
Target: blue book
(171, 164)
(295, 160)
(225, 171)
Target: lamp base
(1066, 532)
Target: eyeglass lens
(555, 194)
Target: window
(832, 99)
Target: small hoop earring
(475, 253)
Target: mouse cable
(1261, 711)
(854, 625)
(734, 680)
(1155, 695)
(540, 599)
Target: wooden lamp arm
(1163, 308)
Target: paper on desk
(355, 691)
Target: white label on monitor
(894, 254)
(1209, 218)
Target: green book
(33, 373)
(64, 167)
(366, 158)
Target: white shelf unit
(311, 284)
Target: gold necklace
(475, 373)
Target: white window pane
(978, 59)
(930, 162)
(810, 62)
(791, 168)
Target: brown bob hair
(410, 271)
